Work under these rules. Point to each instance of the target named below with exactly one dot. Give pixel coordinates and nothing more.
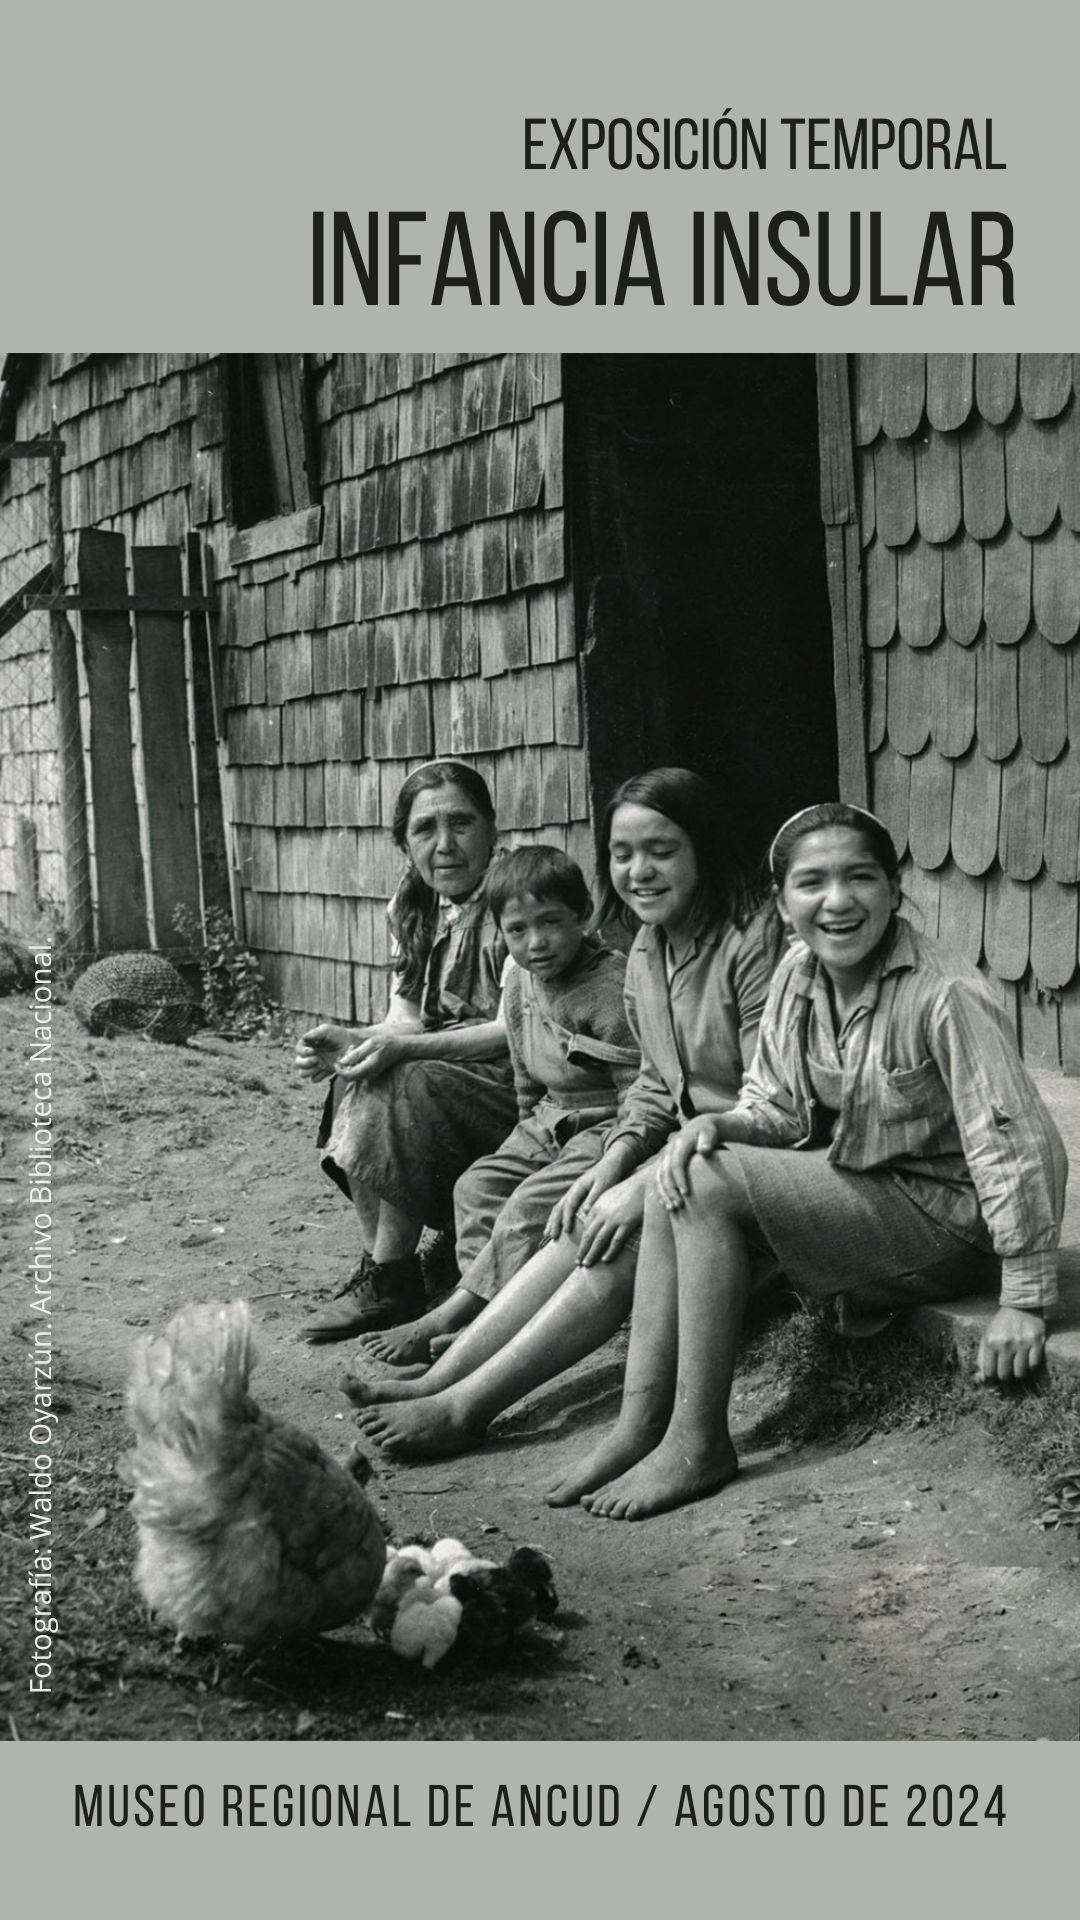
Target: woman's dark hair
(414, 910)
(688, 800)
(832, 813)
(545, 873)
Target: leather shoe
(373, 1298)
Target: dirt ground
(899, 1588)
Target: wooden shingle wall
(434, 616)
(428, 613)
(969, 475)
(128, 425)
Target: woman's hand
(585, 1191)
(376, 1052)
(672, 1173)
(607, 1224)
(318, 1049)
(1012, 1346)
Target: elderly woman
(418, 1097)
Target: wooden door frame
(843, 562)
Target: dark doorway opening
(700, 559)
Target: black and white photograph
(539, 899)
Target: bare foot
(380, 1393)
(430, 1432)
(399, 1346)
(441, 1343)
(669, 1477)
(615, 1453)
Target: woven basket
(135, 993)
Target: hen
(247, 1530)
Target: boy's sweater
(570, 1042)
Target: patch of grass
(1035, 1426)
(825, 1388)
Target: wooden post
(213, 857)
(840, 512)
(170, 792)
(78, 913)
(107, 653)
(200, 569)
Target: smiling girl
(888, 1146)
(696, 980)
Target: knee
(609, 1283)
(717, 1195)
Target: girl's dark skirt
(408, 1136)
(856, 1234)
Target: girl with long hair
(888, 1147)
(696, 980)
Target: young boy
(574, 1056)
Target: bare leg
(397, 1234)
(500, 1320)
(696, 1455)
(366, 1205)
(387, 1233)
(586, 1310)
(410, 1344)
(649, 1387)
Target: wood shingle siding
(424, 608)
(968, 479)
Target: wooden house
(859, 576)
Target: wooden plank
(938, 504)
(1023, 816)
(877, 682)
(121, 891)
(844, 575)
(1045, 383)
(995, 385)
(952, 698)
(930, 808)
(894, 489)
(283, 534)
(1056, 585)
(982, 478)
(1007, 928)
(1040, 1034)
(950, 389)
(864, 480)
(206, 715)
(997, 700)
(960, 916)
(1068, 451)
(962, 589)
(976, 810)
(166, 745)
(869, 371)
(1044, 696)
(1070, 1028)
(837, 474)
(1054, 927)
(918, 603)
(904, 393)
(1007, 587)
(881, 589)
(1062, 849)
(1032, 473)
(890, 793)
(910, 674)
(922, 896)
